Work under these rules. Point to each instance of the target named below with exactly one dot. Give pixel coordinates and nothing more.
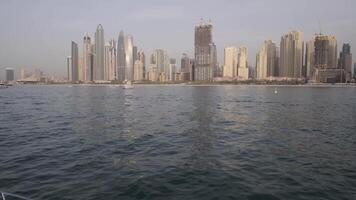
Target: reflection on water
(178, 142)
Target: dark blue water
(176, 142)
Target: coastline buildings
(204, 52)
(291, 55)
(309, 59)
(230, 62)
(242, 69)
(138, 71)
(129, 57)
(326, 70)
(87, 59)
(121, 57)
(98, 73)
(10, 74)
(69, 70)
(141, 57)
(110, 69)
(74, 63)
(345, 63)
(267, 61)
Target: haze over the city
(37, 34)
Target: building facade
(230, 62)
(242, 68)
(205, 52)
(75, 62)
(99, 72)
(291, 55)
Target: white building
(230, 62)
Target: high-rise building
(141, 57)
(354, 71)
(99, 53)
(138, 70)
(129, 57)
(345, 62)
(184, 63)
(267, 61)
(75, 62)
(134, 53)
(205, 52)
(121, 57)
(230, 62)
(87, 61)
(10, 74)
(69, 69)
(242, 69)
(325, 59)
(291, 55)
(309, 58)
(172, 69)
(110, 59)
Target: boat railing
(9, 196)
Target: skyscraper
(345, 62)
(291, 55)
(87, 53)
(205, 52)
(172, 69)
(242, 70)
(69, 69)
(267, 61)
(110, 59)
(10, 74)
(75, 62)
(230, 62)
(129, 57)
(121, 57)
(138, 71)
(141, 57)
(325, 59)
(309, 58)
(99, 53)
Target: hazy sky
(37, 33)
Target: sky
(38, 33)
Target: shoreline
(339, 85)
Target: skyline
(160, 24)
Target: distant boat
(275, 91)
(128, 85)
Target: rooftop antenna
(320, 31)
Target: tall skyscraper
(141, 57)
(354, 71)
(99, 53)
(87, 61)
(325, 59)
(10, 74)
(69, 69)
(134, 53)
(309, 58)
(75, 62)
(345, 62)
(121, 57)
(110, 59)
(291, 55)
(242, 56)
(205, 52)
(129, 57)
(184, 63)
(230, 62)
(267, 61)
